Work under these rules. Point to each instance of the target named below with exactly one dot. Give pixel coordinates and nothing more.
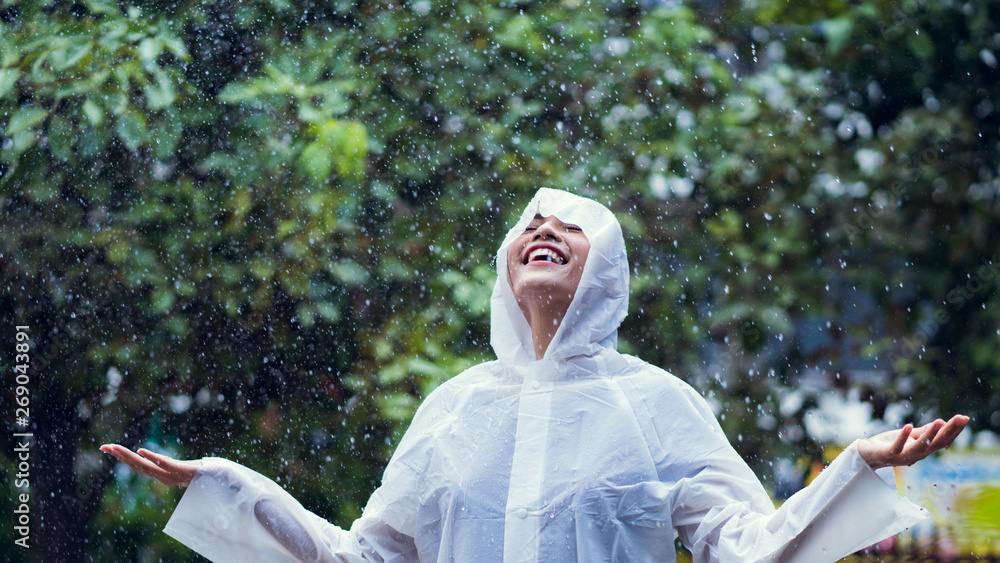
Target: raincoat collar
(590, 326)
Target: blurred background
(264, 230)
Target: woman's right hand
(909, 445)
(167, 470)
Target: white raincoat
(584, 455)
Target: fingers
(932, 437)
(124, 455)
(900, 442)
(179, 472)
(928, 435)
(949, 431)
(909, 445)
(920, 432)
(159, 468)
(158, 459)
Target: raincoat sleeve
(231, 513)
(722, 512)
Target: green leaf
(61, 137)
(149, 49)
(742, 110)
(93, 111)
(351, 149)
(167, 136)
(101, 6)
(340, 144)
(162, 300)
(160, 92)
(25, 119)
(920, 44)
(837, 32)
(8, 78)
(306, 315)
(261, 268)
(349, 272)
(44, 191)
(92, 141)
(286, 228)
(392, 374)
(24, 140)
(316, 161)
(426, 368)
(398, 406)
(236, 92)
(131, 129)
(328, 311)
(519, 34)
(71, 53)
(295, 282)
(176, 47)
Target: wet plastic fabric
(585, 455)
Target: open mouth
(545, 255)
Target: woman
(561, 450)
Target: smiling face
(545, 263)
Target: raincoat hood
(601, 300)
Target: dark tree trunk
(60, 528)
(65, 502)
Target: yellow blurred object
(961, 490)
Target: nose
(546, 230)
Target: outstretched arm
(909, 445)
(227, 506)
(165, 469)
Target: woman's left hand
(909, 445)
(165, 469)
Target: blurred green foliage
(264, 230)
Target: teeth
(547, 255)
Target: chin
(541, 293)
